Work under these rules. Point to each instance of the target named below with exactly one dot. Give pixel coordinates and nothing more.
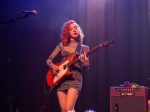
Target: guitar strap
(78, 48)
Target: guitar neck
(103, 44)
(94, 49)
(88, 53)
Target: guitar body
(63, 72)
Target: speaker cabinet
(128, 99)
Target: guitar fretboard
(103, 44)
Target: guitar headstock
(107, 43)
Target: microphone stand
(14, 19)
(10, 108)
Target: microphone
(32, 12)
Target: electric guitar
(64, 66)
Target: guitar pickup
(65, 66)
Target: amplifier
(124, 99)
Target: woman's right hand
(55, 69)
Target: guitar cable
(43, 107)
(45, 90)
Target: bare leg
(62, 100)
(72, 96)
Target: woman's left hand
(83, 58)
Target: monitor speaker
(128, 100)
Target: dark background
(26, 44)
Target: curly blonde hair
(65, 36)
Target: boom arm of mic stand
(14, 19)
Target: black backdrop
(26, 44)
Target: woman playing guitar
(69, 88)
